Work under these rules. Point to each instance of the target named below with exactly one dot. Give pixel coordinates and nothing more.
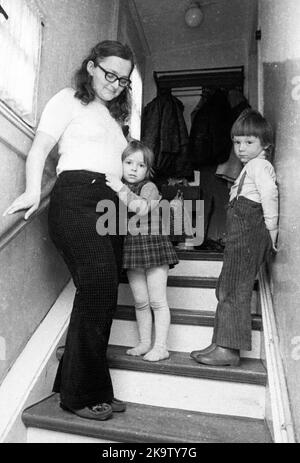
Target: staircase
(175, 400)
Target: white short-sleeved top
(88, 137)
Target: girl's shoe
(205, 351)
(117, 405)
(99, 412)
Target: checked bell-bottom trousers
(94, 261)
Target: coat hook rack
(226, 77)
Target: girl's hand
(113, 182)
(274, 234)
(26, 200)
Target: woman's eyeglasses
(111, 77)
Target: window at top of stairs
(20, 46)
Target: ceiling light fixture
(193, 15)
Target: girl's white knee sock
(144, 324)
(162, 324)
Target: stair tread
(192, 281)
(180, 363)
(184, 316)
(184, 254)
(187, 281)
(149, 424)
(250, 371)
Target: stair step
(184, 316)
(197, 268)
(189, 330)
(186, 281)
(250, 371)
(190, 281)
(180, 382)
(198, 263)
(189, 298)
(199, 255)
(187, 293)
(140, 424)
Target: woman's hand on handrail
(27, 201)
(30, 199)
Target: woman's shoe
(220, 356)
(98, 412)
(117, 405)
(205, 351)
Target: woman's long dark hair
(119, 107)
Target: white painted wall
(72, 27)
(233, 53)
(225, 38)
(280, 51)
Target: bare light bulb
(193, 15)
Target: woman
(87, 124)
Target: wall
(32, 273)
(72, 27)
(230, 42)
(281, 91)
(196, 57)
(128, 33)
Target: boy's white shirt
(260, 186)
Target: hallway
(263, 38)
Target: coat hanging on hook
(164, 131)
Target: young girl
(251, 233)
(146, 255)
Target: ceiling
(163, 26)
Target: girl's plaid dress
(146, 249)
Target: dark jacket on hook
(210, 141)
(164, 131)
(230, 169)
